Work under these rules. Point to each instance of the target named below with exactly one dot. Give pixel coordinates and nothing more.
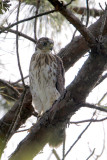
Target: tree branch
(101, 79)
(78, 47)
(17, 47)
(35, 23)
(80, 135)
(88, 120)
(24, 20)
(74, 21)
(93, 107)
(88, 12)
(93, 12)
(21, 34)
(91, 154)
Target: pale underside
(43, 78)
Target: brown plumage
(46, 74)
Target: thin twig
(89, 120)
(16, 118)
(82, 18)
(35, 23)
(27, 19)
(19, 80)
(17, 48)
(69, 3)
(79, 137)
(102, 98)
(55, 154)
(101, 79)
(6, 96)
(91, 154)
(93, 107)
(88, 13)
(21, 34)
(23, 130)
(93, 12)
(30, 18)
(103, 148)
(101, 6)
(63, 147)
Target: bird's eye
(44, 44)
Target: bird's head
(45, 45)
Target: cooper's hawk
(46, 74)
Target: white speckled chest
(43, 77)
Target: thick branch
(78, 47)
(74, 21)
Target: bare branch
(55, 154)
(27, 19)
(101, 79)
(78, 138)
(63, 147)
(102, 98)
(21, 34)
(74, 51)
(93, 107)
(102, 151)
(14, 123)
(78, 47)
(82, 18)
(81, 10)
(88, 12)
(17, 48)
(89, 120)
(13, 83)
(23, 130)
(35, 23)
(24, 20)
(91, 154)
(74, 21)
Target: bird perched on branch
(46, 74)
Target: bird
(46, 76)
